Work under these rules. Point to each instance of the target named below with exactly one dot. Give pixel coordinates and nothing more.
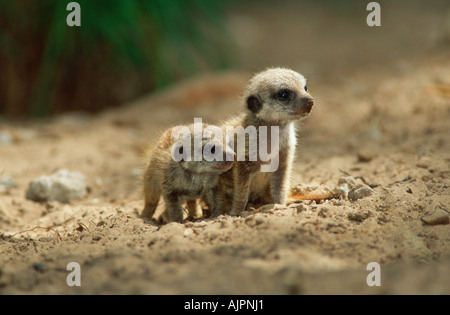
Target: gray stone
(359, 191)
(62, 186)
(347, 180)
(345, 184)
(6, 181)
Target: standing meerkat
(175, 173)
(276, 97)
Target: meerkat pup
(277, 98)
(185, 165)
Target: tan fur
(181, 181)
(264, 107)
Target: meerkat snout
(308, 101)
(308, 104)
(278, 96)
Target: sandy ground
(388, 128)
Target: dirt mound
(391, 135)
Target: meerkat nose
(308, 104)
(309, 101)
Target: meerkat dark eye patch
(284, 95)
(306, 88)
(253, 104)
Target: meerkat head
(204, 149)
(278, 95)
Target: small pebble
(38, 267)
(424, 161)
(437, 218)
(300, 208)
(270, 208)
(359, 191)
(188, 232)
(323, 213)
(345, 184)
(6, 183)
(347, 180)
(364, 157)
(358, 216)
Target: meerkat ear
(254, 104)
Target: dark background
(125, 49)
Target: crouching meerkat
(184, 166)
(275, 97)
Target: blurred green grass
(122, 49)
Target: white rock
(347, 180)
(62, 186)
(345, 184)
(6, 182)
(188, 232)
